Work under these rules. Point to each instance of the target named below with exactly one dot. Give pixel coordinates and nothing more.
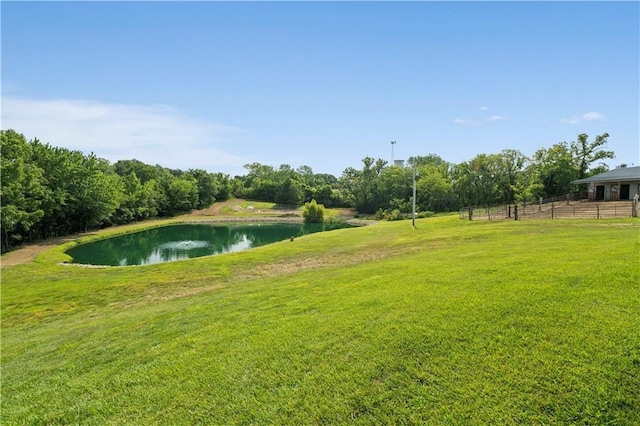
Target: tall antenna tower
(392, 145)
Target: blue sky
(217, 85)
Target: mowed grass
(240, 208)
(454, 322)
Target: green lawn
(246, 208)
(454, 322)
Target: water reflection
(175, 242)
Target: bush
(313, 212)
(389, 214)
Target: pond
(185, 241)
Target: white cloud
(592, 116)
(577, 119)
(151, 134)
(483, 108)
(479, 122)
(466, 121)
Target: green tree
(434, 192)
(155, 198)
(80, 191)
(313, 212)
(224, 186)
(136, 202)
(21, 189)
(586, 153)
(55, 164)
(528, 186)
(322, 187)
(326, 195)
(180, 193)
(95, 191)
(434, 185)
(143, 171)
(363, 187)
(477, 182)
(427, 160)
(260, 183)
(554, 169)
(289, 192)
(207, 187)
(394, 188)
(512, 164)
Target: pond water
(184, 241)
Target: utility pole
(415, 173)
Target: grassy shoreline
(452, 322)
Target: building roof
(615, 175)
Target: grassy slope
(453, 322)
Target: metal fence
(552, 210)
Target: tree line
(50, 191)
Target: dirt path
(28, 252)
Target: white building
(613, 185)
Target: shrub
(389, 214)
(313, 212)
(427, 213)
(395, 214)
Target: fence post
(515, 211)
(597, 211)
(510, 210)
(470, 213)
(567, 198)
(552, 206)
